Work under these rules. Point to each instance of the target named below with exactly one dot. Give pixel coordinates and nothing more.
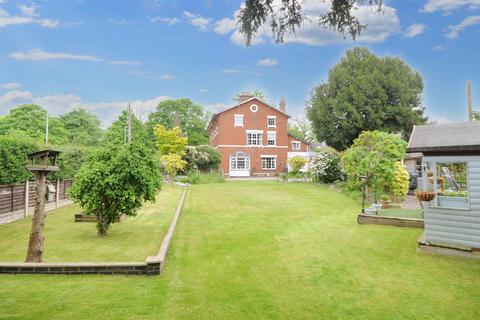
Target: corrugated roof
(448, 137)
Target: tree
(29, 120)
(13, 158)
(170, 141)
(71, 159)
(365, 93)
(296, 164)
(173, 163)
(115, 181)
(83, 127)
(116, 133)
(373, 154)
(302, 129)
(182, 113)
(255, 93)
(285, 16)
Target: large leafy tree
(116, 133)
(29, 120)
(83, 127)
(13, 158)
(374, 154)
(171, 146)
(366, 92)
(115, 181)
(182, 113)
(286, 16)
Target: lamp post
(364, 180)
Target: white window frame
(274, 118)
(258, 134)
(237, 117)
(271, 134)
(234, 163)
(296, 143)
(264, 157)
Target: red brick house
(253, 138)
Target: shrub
(202, 158)
(325, 167)
(384, 197)
(401, 182)
(70, 161)
(296, 164)
(115, 181)
(13, 158)
(172, 163)
(196, 177)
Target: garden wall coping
(152, 265)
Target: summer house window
(449, 180)
(271, 138)
(238, 120)
(254, 138)
(271, 121)
(295, 145)
(269, 162)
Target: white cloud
(267, 62)
(225, 25)
(198, 21)
(454, 30)
(167, 21)
(28, 17)
(449, 5)
(415, 30)
(216, 107)
(10, 86)
(28, 10)
(61, 103)
(438, 47)
(146, 75)
(125, 62)
(380, 25)
(41, 55)
(235, 70)
(203, 90)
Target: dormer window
(272, 121)
(238, 120)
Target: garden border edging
(152, 266)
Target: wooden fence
(17, 198)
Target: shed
(451, 170)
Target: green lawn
(266, 250)
(65, 240)
(401, 213)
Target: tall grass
(197, 177)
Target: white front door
(239, 166)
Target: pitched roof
(239, 104)
(299, 139)
(449, 137)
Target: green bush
(202, 158)
(13, 158)
(296, 164)
(325, 167)
(196, 177)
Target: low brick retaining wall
(390, 221)
(152, 266)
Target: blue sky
(102, 55)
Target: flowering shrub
(202, 158)
(325, 167)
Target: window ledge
(449, 208)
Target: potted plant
(385, 201)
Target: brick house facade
(253, 139)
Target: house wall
(304, 147)
(456, 227)
(229, 139)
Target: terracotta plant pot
(386, 203)
(426, 196)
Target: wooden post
(27, 189)
(57, 194)
(35, 244)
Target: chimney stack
(244, 96)
(283, 104)
(469, 101)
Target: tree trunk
(35, 244)
(102, 226)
